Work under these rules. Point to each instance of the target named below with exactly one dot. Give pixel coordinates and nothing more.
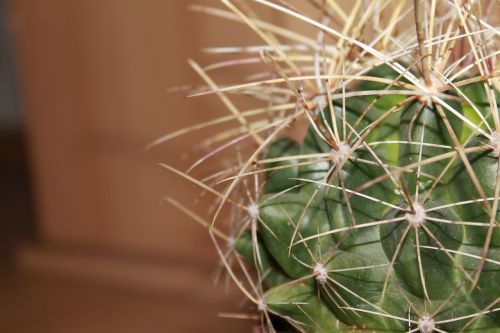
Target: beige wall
(93, 77)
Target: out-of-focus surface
(49, 305)
(15, 197)
(102, 253)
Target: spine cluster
(381, 216)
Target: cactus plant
(382, 217)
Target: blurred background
(86, 244)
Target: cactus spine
(383, 216)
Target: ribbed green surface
(384, 277)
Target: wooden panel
(94, 75)
(93, 79)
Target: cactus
(391, 234)
(383, 216)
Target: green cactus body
(381, 215)
(375, 240)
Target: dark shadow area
(16, 211)
(16, 203)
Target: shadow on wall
(104, 254)
(16, 216)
